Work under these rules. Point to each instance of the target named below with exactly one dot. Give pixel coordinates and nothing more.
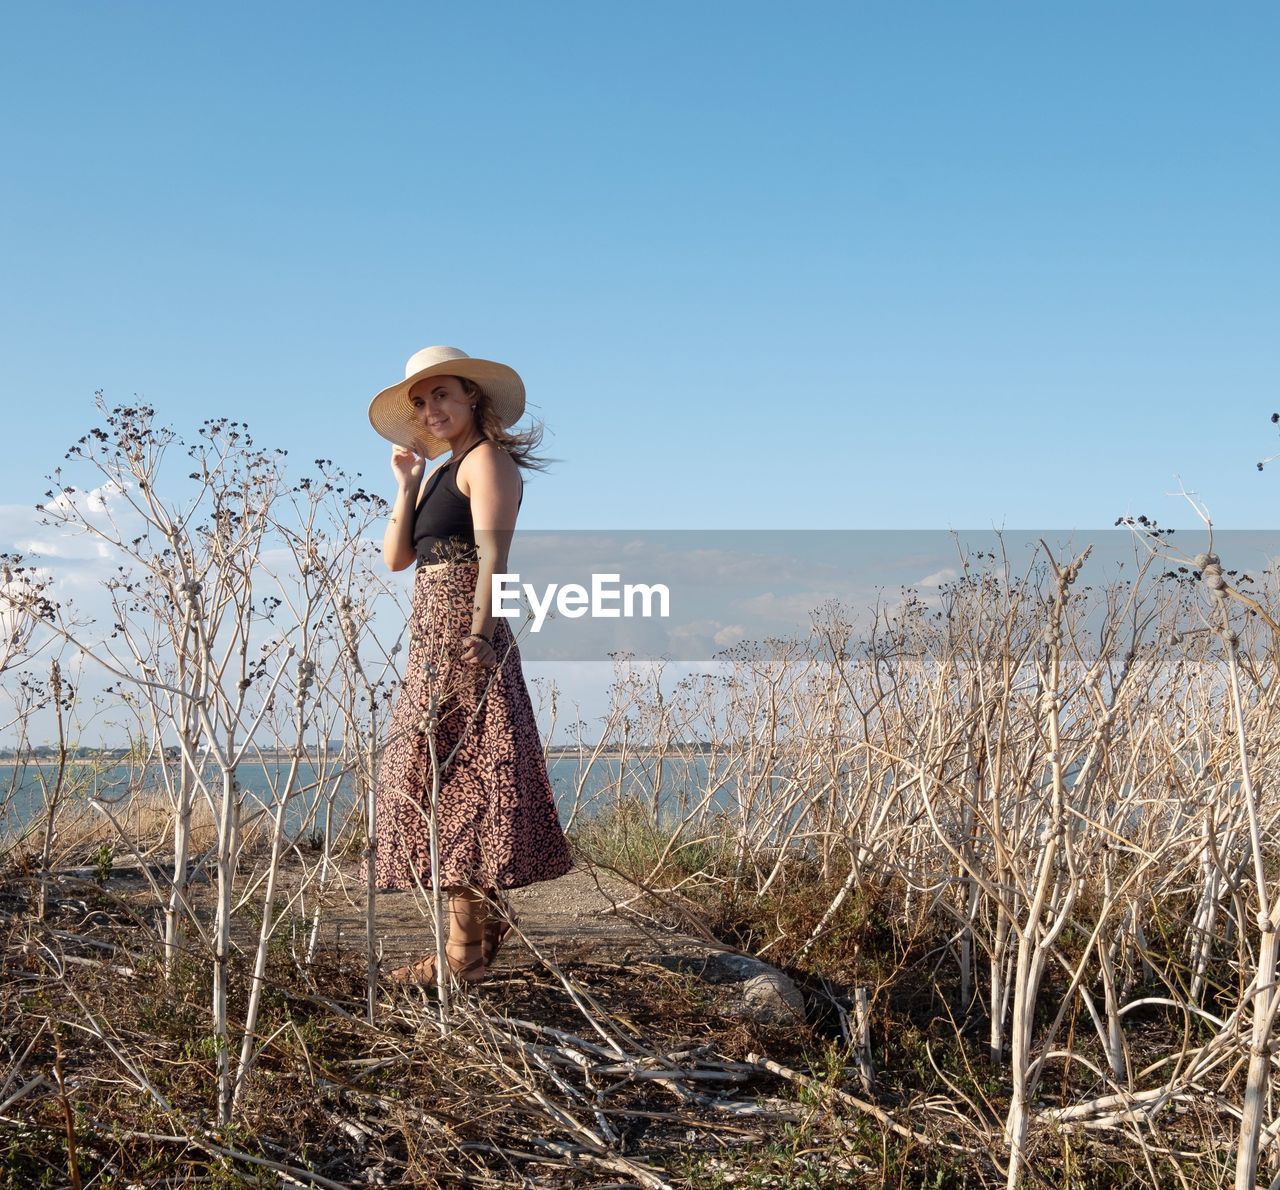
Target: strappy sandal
(499, 923)
(423, 972)
(465, 950)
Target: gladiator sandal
(499, 921)
(422, 972)
(464, 952)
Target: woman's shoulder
(487, 454)
(487, 461)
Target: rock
(764, 993)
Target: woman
(463, 697)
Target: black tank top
(442, 529)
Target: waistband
(441, 567)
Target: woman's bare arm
(491, 480)
(397, 540)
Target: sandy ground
(587, 918)
(589, 914)
(585, 914)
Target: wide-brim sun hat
(397, 421)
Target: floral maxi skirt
(497, 820)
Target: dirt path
(582, 915)
(589, 913)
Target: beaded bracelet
(478, 636)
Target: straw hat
(396, 420)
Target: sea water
(582, 785)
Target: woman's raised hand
(406, 466)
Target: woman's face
(442, 405)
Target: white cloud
(931, 582)
(694, 636)
(669, 556)
(64, 527)
(795, 607)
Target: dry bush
(1016, 841)
(1025, 814)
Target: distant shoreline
(556, 752)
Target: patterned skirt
(496, 816)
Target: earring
(473, 408)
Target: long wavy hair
(522, 446)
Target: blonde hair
(521, 446)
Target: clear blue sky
(815, 265)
